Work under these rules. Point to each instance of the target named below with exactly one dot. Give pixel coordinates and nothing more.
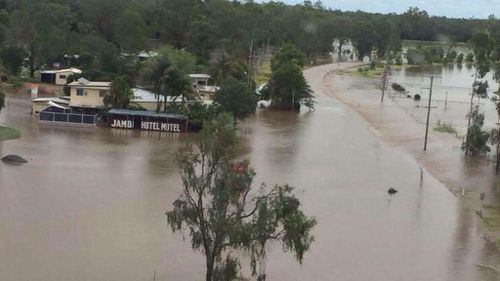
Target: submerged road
(90, 204)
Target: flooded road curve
(90, 204)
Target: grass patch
(445, 128)
(7, 133)
(364, 71)
(491, 217)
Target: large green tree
(130, 31)
(287, 87)
(42, 28)
(222, 212)
(236, 98)
(12, 59)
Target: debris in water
(14, 159)
(392, 191)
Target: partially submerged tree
(476, 142)
(398, 88)
(236, 98)
(287, 87)
(223, 214)
(483, 45)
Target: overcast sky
(449, 8)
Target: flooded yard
(90, 204)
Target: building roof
(199, 76)
(82, 82)
(143, 95)
(146, 113)
(72, 69)
(60, 100)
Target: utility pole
(384, 81)
(293, 99)
(428, 113)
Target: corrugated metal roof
(146, 113)
(74, 70)
(82, 82)
(199, 76)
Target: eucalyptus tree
(225, 215)
(42, 28)
(483, 45)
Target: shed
(58, 76)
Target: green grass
(7, 133)
(491, 217)
(445, 128)
(365, 71)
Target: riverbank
(7, 133)
(472, 181)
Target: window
(103, 93)
(79, 92)
(62, 76)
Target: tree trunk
(32, 61)
(210, 269)
(165, 103)
(498, 159)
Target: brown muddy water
(90, 204)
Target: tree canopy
(222, 212)
(236, 98)
(99, 32)
(120, 94)
(288, 87)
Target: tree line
(95, 33)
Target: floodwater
(451, 93)
(90, 204)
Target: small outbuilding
(58, 77)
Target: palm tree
(167, 74)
